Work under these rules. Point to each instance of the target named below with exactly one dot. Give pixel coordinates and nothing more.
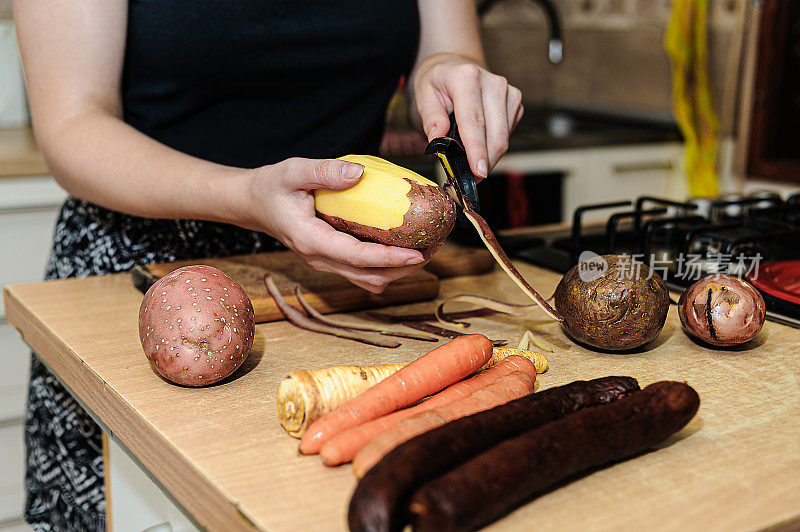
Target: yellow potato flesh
(379, 200)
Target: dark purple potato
(618, 305)
(722, 310)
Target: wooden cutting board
(326, 292)
(454, 260)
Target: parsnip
(306, 395)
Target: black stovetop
(683, 241)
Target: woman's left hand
(486, 107)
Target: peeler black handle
(452, 149)
(453, 133)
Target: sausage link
(378, 503)
(498, 480)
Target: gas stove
(683, 241)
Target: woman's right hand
(281, 204)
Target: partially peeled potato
(391, 205)
(722, 310)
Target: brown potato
(722, 310)
(390, 205)
(621, 306)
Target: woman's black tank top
(251, 82)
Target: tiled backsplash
(613, 53)
(607, 14)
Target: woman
(184, 130)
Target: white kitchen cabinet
(12, 470)
(602, 174)
(14, 377)
(16, 526)
(134, 501)
(25, 236)
(28, 210)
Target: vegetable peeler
(460, 183)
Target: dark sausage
(501, 478)
(379, 501)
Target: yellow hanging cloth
(686, 44)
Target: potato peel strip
(302, 321)
(502, 259)
(529, 339)
(492, 304)
(358, 326)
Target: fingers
(434, 111)
(487, 109)
(317, 238)
(376, 279)
(373, 280)
(495, 92)
(514, 107)
(367, 265)
(329, 174)
(465, 88)
(518, 116)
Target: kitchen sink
(549, 128)
(544, 128)
(552, 128)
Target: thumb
(436, 125)
(434, 115)
(331, 174)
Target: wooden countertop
(222, 454)
(19, 154)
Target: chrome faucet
(556, 47)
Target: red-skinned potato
(391, 205)
(196, 325)
(722, 310)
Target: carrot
(505, 389)
(425, 376)
(306, 395)
(343, 447)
